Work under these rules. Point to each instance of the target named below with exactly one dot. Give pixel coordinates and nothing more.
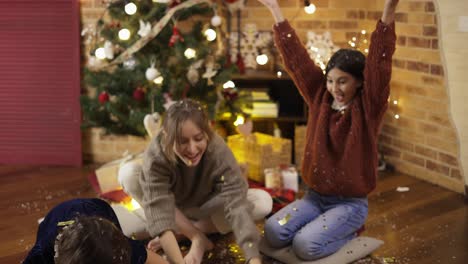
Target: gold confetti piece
(250, 244)
(210, 255)
(389, 260)
(222, 178)
(295, 209)
(285, 220)
(65, 223)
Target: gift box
(107, 174)
(260, 151)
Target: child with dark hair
(81, 231)
(191, 184)
(346, 107)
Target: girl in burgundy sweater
(346, 106)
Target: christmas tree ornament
(152, 123)
(152, 73)
(108, 50)
(139, 94)
(130, 63)
(103, 97)
(176, 37)
(216, 21)
(210, 72)
(193, 76)
(145, 29)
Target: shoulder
(217, 146)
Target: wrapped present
(107, 174)
(260, 151)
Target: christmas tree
(144, 55)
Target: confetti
(285, 220)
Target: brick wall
(423, 142)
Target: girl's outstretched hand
(388, 14)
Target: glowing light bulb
(100, 53)
(279, 74)
(239, 120)
(190, 53)
(130, 8)
(229, 84)
(262, 59)
(397, 116)
(124, 34)
(363, 32)
(310, 9)
(159, 80)
(210, 34)
(395, 102)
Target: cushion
(355, 249)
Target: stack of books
(261, 104)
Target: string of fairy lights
(359, 42)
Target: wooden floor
(425, 225)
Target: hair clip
(66, 223)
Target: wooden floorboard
(427, 224)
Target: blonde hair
(174, 117)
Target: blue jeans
(317, 225)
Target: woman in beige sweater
(190, 183)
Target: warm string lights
(360, 42)
(309, 7)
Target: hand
(388, 14)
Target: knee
(273, 233)
(128, 177)
(308, 248)
(262, 201)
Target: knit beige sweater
(217, 179)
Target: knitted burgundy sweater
(340, 155)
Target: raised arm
(388, 14)
(307, 76)
(378, 70)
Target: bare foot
(155, 245)
(200, 244)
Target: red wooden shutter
(40, 82)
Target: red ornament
(230, 94)
(103, 97)
(139, 94)
(176, 36)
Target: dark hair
(175, 116)
(90, 240)
(348, 60)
